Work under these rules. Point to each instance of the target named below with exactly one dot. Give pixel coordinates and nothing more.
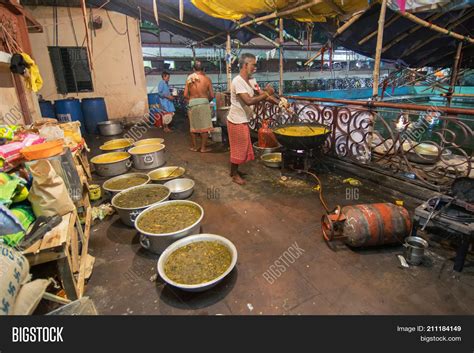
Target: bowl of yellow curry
(301, 136)
(112, 164)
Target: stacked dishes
(131, 202)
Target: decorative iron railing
(433, 145)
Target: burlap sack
(48, 194)
(14, 271)
(29, 297)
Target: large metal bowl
(266, 159)
(146, 180)
(158, 242)
(260, 151)
(180, 188)
(192, 239)
(128, 215)
(301, 142)
(164, 174)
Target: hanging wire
(115, 28)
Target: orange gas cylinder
(266, 137)
(368, 225)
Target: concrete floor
(263, 219)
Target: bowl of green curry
(198, 262)
(162, 224)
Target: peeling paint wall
(113, 76)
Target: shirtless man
(199, 93)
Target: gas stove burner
(451, 208)
(447, 215)
(297, 159)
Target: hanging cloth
(33, 79)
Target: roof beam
(436, 28)
(273, 28)
(374, 33)
(263, 36)
(450, 27)
(432, 58)
(281, 13)
(409, 32)
(339, 31)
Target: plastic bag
(48, 194)
(14, 223)
(51, 132)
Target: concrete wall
(113, 76)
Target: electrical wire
(115, 28)
(130, 50)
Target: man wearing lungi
(166, 100)
(244, 93)
(199, 92)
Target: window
(71, 69)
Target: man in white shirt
(244, 93)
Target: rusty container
(368, 225)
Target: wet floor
(267, 219)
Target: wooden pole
(228, 63)
(288, 35)
(378, 49)
(275, 14)
(84, 16)
(339, 31)
(281, 13)
(264, 37)
(280, 88)
(454, 73)
(407, 33)
(391, 21)
(436, 28)
(315, 56)
(429, 40)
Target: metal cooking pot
(128, 215)
(301, 142)
(192, 239)
(110, 128)
(146, 180)
(150, 141)
(148, 156)
(157, 243)
(112, 168)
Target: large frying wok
(301, 142)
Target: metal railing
(431, 144)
